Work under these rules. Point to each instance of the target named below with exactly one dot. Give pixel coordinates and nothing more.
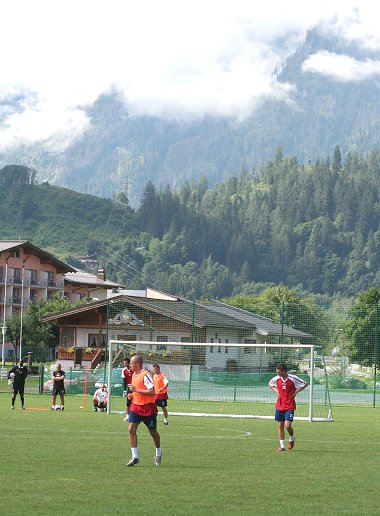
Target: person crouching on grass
(100, 398)
(286, 386)
(143, 409)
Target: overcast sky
(172, 58)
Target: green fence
(346, 338)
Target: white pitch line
(241, 434)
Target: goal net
(229, 380)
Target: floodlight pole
(22, 310)
(4, 328)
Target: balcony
(88, 354)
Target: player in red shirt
(286, 386)
(126, 374)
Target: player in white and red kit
(126, 374)
(286, 386)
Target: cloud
(174, 59)
(341, 67)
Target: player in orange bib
(161, 389)
(143, 409)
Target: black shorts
(18, 389)
(162, 403)
(58, 390)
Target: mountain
(60, 220)
(121, 152)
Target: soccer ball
(12, 375)
(58, 407)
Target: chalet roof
(188, 312)
(148, 293)
(44, 256)
(80, 277)
(263, 325)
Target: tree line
(313, 227)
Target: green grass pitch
(74, 462)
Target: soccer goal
(224, 380)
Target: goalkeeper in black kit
(18, 374)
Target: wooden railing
(64, 354)
(96, 358)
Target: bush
(353, 383)
(337, 381)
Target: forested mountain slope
(313, 227)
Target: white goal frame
(114, 344)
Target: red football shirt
(127, 375)
(286, 389)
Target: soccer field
(74, 462)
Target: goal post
(224, 380)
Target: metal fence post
(376, 354)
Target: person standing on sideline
(161, 389)
(18, 373)
(58, 378)
(143, 409)
(100, 398)
(126, 374)
(286, 386)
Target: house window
(50, 295)
(219, 349)
(249, 350)
(211, 340)
(226, 350)
(68, 337)
(50, 279)
(17, 276)
(162, 338)
(33, 277)
(211, 349)
(93, 340)
(16, 296)
(33, 296)
(127, 337)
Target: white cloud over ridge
(341, 67)
(173, 59)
